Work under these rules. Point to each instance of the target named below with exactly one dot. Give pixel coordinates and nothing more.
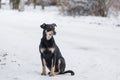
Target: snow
(5, 1)
(90, 45)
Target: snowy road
(90, 45)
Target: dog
(50, 54)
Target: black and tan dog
(50, 53)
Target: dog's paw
(43, 74)
(51, 74)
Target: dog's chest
(47, 50)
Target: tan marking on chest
(42, 50)
(51, 49)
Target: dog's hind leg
(61, 65)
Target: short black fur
(50, 53)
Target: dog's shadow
(37, 72)
(85, 48)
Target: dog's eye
(48, 30)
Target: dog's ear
(43, 26)
(54, 25)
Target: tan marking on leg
(52, 72)
(44, 68)
(59, 62)
(43, 71)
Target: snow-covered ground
(90, 45)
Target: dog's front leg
(52, 72)
(43, 66)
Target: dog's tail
(68, 71)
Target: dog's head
(48, 30)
